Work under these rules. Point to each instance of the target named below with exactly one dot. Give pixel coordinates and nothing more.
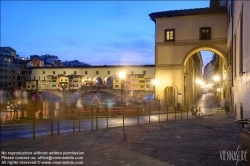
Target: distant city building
(13, 69)
(75, 63)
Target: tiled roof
(186, 12)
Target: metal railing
(135, 114)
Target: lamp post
(122, 75)
(63, 85)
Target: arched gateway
(180, 36)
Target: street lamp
(122, 75)
(216, 78)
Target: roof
(187, 12)
(36, 56)
(105, 66)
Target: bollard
(58, 123)
(91, 110)
(159, 118)
(174, 113)
(181, 112)
(107, 116)
(96, 116)
(167, 113)
(149, 114)
(73, 120)
(79, 120)
(123, 117)
(34, 124)
(138, 116)
(124, 134)
(51, 124)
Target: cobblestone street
(196, 141)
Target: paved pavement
(196, 141)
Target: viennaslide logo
(232, 155)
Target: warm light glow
(122, 75)
(218, 89)
(216, 78)
(200, 82)
(154, 82)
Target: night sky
(97, 32)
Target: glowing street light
(122, 75)
(216, 78)
(200, 82)
(154, 82)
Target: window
(54, 72)
(64, 72)
(75, 72)
(144, 72)
(108, 72)
(43, 72)
(18, 77)
(205, 33)
(97, 72)
(169, 34)
(29, 72)
(86, 72)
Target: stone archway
(170, 96)
(97, 81)
(206, 47)
(109, 81)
